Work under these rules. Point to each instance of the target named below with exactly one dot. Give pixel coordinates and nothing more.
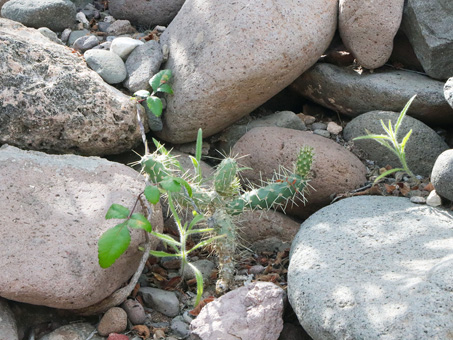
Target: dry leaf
(135, 291)
(159, 277)
(142, 331)
(172, 283)
(159, 334)
(429, 187)
(202, 303)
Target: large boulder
(230, 58)
(428, 24)
(422, 149)
(374, 267)
(52, 212)
(335, 170)
(51, 101)
(54, 14)
(147, 14)
(367, 29)
(346, 91)
(442, 174)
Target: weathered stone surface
(442, 175)
(146, 13)
(224, 67)
(348, 92)
(334, 170)
(107, 64)
(367, 28)
(428, 27)
(2, 2)
(422, 149)
(113, 321)
(374, 267)
(8, 328)
(54, 14)
(163, 301)
(250, 312)
(51, 101)
(52, 212)
(74, 331)
(448, 91)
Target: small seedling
(390, 141)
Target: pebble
(160, 300)
(103, 46)
(135, 311)
(433, 199)
(103, 26)
(323, 133)
(418, 199)
(65, 35)
(120, 27)
(107, 64)
(334, 128)
(48, 33)
(307, 119)
(123, 46)
(256, 269)
(319, 126)
(85, 43)
(116, 336)
(180, 327)
(76, 35)
(113, 321)
(81, 17)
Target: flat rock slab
(374, 267)
(343, 90)
(52, 212)
(229, 58)
(51, 101)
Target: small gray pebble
(323, 133)
(319, 126)
(418, 199)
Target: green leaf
(155, 105)
(138, 221)
(166, 238)
(142, 94)
(386, 173)
(152, 194)
(160, 78)
(373, 136)
(157, 253)
(171, 184)
(197, 218)
(198, 231)
(112, 244)
(403, 112)
(165, 88)
(206, 242)
(185, 184)
(117, 211)
(404, 141)
(199, 278)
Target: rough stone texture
(448, 91)
(163, 301)
(231, 135)
(249, 312)
(113, 321)
(75, 331)
(146, 13)
(8, 328)
(422, 149)
(52, 212)
(224, 67)
(54, 14)
(85, 43)
(403, 53)
(374, 267)
(142, 64)
(442, 175)
(428, 27)
(266, 230)
(107, 64)
(367, 28)
(120, 27)
(49, 34)
(2, 2)
(348, 92)
(51, 101)
(334, 170)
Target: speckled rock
(422, 149)
(250, 312)
(113, 321)
(107, 64)
(346, 91)
(52, 212)
(54, 14)
(374, 267)
(224, 67)
(367, 29)
(442, 174)
(334, 170)
(51, 101)
(74, 331)
(120, 27)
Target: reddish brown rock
(335, 170)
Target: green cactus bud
(226, 182)
(155, 169)
(304, 162)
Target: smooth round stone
(123, 46)
(107, 64)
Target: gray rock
(224, 72)
(135, 311)
(2, 2)
(142, 64)
(64, 37)
(323, 133)
(442, 175)
(64, 200)
(319, 126)
(85, 43)
(54, 14)
(51, 101)
(422, 149)
(367, 29)
(81, 18)
(418, 199)
(107, 64)
(113, 321)
(103, 26)
(374, 267)
(428, 27)
(74, 35)
(146, 13)
(204, 266)
(162, 301)
(103, 46)
(448, 91)
(51, 35)
(74, 331)
(250, 312)
(179, 327)
(8, 328)
(344, 90)
(123, 46)
(120, 27)
(284, 119)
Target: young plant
(390, 141)
(159, 83)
